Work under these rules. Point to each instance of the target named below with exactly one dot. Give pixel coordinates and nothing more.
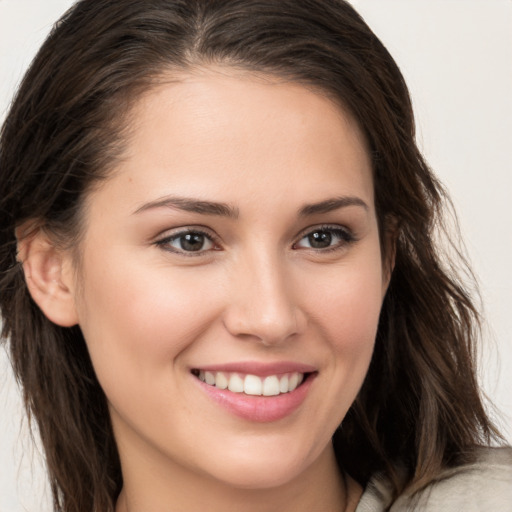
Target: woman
(218, 268)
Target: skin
(258, 292)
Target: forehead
(221, 132)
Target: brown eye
(320, 239)
(192, 242)
(187, 242)
(325, 238)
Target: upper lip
(258, 368)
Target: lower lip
(261, 409)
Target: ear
(49, 276)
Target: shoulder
(481, 486)
(484, 485)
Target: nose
(263, 303)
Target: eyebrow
(332, 204)
(225, 210)
(192, 205)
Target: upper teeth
(252, 384)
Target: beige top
(484, 486)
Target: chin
(259, 476)
(263, 467)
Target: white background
(456, 56)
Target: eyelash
(343, 234)
(164, 242)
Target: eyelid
(172, 234)
(346, 233)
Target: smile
(271, 385)
(255, 391)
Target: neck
(321, 487)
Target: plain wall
(457, 59)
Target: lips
(257, 392)
(271, 385)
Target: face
(231, 279)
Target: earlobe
(48, 275)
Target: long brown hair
(419, 407)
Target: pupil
(192, 242)
(320, 239)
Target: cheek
(137, 320)
(347, 306)
(347, 309)
(351, 320)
